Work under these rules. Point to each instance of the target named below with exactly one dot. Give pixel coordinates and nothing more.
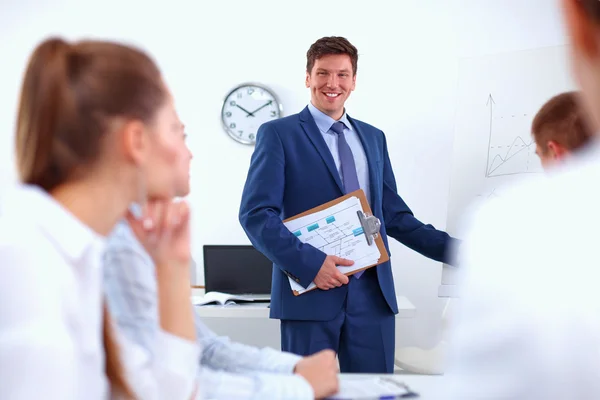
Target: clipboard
(370, 224)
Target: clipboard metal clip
(370, 225)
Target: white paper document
(370, 388)
(220, 298)
(336, 231)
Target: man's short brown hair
(563, 120)
(331, 45)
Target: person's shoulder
(29, 259)
(34, 276)
(283, 122)
(534, 226)
(24, 248)
(122, 237)
(122, 231)
(511, 207)
(19, 231)
(125, 259)
(279, 129)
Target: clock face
(246, 108)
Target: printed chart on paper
(336, 231)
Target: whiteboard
(497, 99)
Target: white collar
(73, 238)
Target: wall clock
(246, 108)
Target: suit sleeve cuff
(311, 267)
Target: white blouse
(51, 302)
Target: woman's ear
(134, 142)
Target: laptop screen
(236, 270)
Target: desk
(424, 385)
(250, 323)
(261, 310)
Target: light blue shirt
(324, 123)
(228, 370)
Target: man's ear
(307, 80)
(134, 142)
(556, 150)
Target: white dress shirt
(229, 370)
(528, 323)
(51, 302)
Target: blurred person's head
(98, 114)
(560, 128)
(582, 20)
(97, 130)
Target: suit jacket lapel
(312, 131)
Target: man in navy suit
(307, 159)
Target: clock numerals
(245, 109)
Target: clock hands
(250, 114)
(261, 107)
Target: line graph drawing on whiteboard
(509, 152)
(490, 195)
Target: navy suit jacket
(291, 171)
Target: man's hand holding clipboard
(329, 276)
(345, 230)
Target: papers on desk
(336, 230)
(220, 298)
(372, 388)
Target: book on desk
(224, 299)
(235, 274)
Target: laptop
(240, 270)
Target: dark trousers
(362, 333)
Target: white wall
(406, 85)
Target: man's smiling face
(331, 81)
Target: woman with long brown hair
(96, 132)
